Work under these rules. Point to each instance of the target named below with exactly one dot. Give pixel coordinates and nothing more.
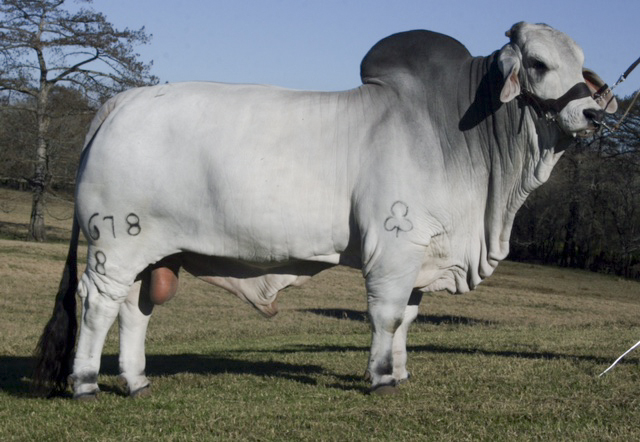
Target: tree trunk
(41, 169)
(39, 184)
(37, 230)
(567, 256)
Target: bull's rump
(247, 172)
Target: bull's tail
(55, 349)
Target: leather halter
(549, 109)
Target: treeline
(588, 214)
(71, 114)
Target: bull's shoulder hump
(411, 52)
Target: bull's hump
(415, 53)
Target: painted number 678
(109, 223)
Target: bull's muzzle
(595, 116)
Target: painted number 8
(101, 260)
(134, 224)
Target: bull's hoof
(367, 376)
(385, 390)
(141, 393)
(404, 379)
(89, 396)
(85, 391)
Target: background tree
(588, 214)
(43, 47)
(70, 114)
(16, 135)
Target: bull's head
(544, 67)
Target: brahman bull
(415, 177)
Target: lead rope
(618, 360)
(605, 90)
(615, 128)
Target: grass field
(518, 359)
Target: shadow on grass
(436, 349)
(355, 315)
(15, 371)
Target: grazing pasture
(518, 359)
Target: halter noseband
(549, 109)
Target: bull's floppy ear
(607, 102)
(509, 64)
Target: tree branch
(75, 67)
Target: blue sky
(318, 44)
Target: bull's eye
(539, 66)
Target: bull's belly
(263, 239)
(256, 284)
(261, 236)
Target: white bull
(415, 177)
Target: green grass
(518, 359)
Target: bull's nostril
(595, 115)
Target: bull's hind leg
(156, 285)
(101, 301)
(400, 373)
(134, 317)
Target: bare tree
(43, 45)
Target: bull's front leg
(400, 373)
(134, 317)
(388, 299)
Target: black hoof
(142, 392)
(402, 381)
(86, 396)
